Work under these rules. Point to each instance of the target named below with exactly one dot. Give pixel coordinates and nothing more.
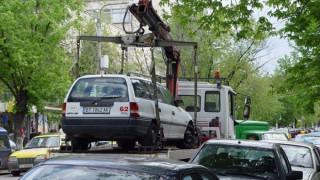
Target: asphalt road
(5, 175)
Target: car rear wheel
(15, 173)
(127, 145)
(151, 138)
(189, 140)
(79, 144)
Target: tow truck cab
(215, 106)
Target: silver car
(303, 156)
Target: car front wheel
(15, 173)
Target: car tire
(151, 138)
(79, 144)
(127, 145)
(15, 173)
(188, 141)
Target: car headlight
(12, 159)
(41, 157)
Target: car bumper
(15, 166)
(106, 128)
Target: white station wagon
(122, 108)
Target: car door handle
(173, 113)
(159, 109)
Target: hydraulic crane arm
(146, 15)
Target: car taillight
(134, 110)
(64, 107)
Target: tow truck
(161, 37)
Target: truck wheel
(15, 173)
(127, 145)
(188, 142)
(151, 138)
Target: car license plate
(96, 110)
(25, 165)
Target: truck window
(231, 105)
(212, 101)
(188, 102)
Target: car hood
(30, 153)
(306, 171)
(235, 177)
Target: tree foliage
(302, 26)
(33, 62)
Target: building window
(116, 15)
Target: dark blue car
(5, 149)
(113, 167)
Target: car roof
(244, 143)
(3, 130)
(294, 143)
(123, 162)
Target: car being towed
(245, 159)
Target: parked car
(303, 157)
(294, 132)
(264, 135)
(244, 159)
(5, 148)
(311, 138)
(34, 152)
(122, 108)
(110, 167)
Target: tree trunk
(22, 109)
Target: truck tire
(127, 145)
(151, 138)
(189, 140)
(15, 173)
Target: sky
(277, 48)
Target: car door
(164, 110)
(179, 117)
(316, 174)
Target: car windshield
(238, 160)
(298, 155)
(4, 142)
(311, 139)
(274, 136)
(41, 142)
(69, 172)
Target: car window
(212, 101)
(63, 172)
(298, 155)
(140, 89)
(4, 142)
(317, 152)
(274, 136)
(238, 160)
(48, 141)
(168, 96)
(188, 103)
(284, 163)
(98, 87)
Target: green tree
(302, 27)
(33, 62)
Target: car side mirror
(246, 111)
(179, 102)
(295, 175)
(318, 168)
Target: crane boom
(146, 15)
